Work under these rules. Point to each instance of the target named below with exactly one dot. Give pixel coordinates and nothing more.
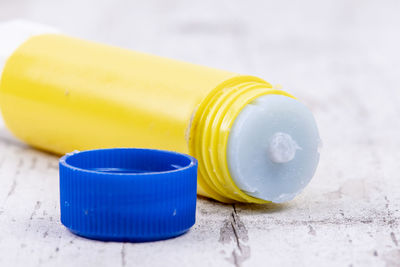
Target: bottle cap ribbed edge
(128, 194)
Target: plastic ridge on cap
(128, 194)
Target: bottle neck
(209, 132)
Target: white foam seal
(273, 148)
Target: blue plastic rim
(128, 194)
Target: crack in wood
(394, 239)
(46, 233)
(12, 189)
(35, 209)
(234, 230)
(311, 231)
(52, 165)
(123, 255)
(14, 182)
(33, 163)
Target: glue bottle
(254, 143)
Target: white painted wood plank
(339, 57)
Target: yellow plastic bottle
(61, 94)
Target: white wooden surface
(340, 57)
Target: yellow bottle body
(62, 94)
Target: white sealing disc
(273, 147)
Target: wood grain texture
(341, 58)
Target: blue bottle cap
(128, 194)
